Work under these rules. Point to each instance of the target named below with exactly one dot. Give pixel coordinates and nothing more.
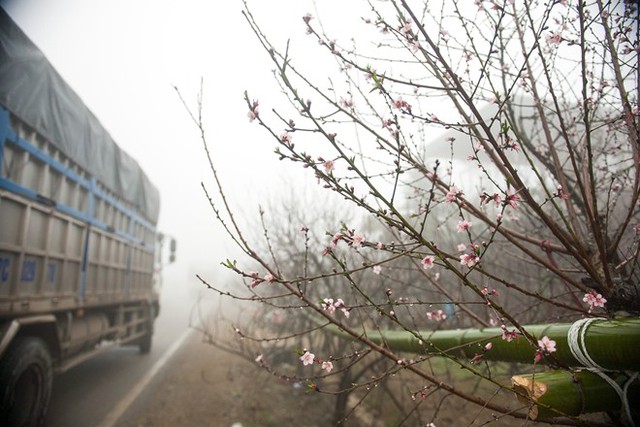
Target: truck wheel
(145, 343)
(26, 377)
(146, 340)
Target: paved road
(88, 394)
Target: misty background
(125, 59)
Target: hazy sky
(124, 57)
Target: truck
(79, 248)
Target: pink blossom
(469, 259)
(253, 111)
(379, 245)
(461, 247)
(335, 239)
(414, 45)
(346, 103)
(402, 105)
(463, 226)
(357, 240)
(553, 39)
(547, 345)
(452, 194)
(256, 282)
(513, 200)
(307, 358)
(488, 346)
(328, 166)
(427, 262)
(286, 137)
(561, 193)
(485, 198)
(327, 366)
(269, 278)
(306, 18)
(493, 292)
(538, 357)
(406, 28)
(477, 358)
(508, 335)
(436, 315)
(377, 269)
(327, 305)
(340, 304)
(594, 300)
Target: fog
(124, 59)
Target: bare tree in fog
(490, 153)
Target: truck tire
(26, 377)
(145, 342)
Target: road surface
(89, 394)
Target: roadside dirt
(206, 386)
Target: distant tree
(491, 152)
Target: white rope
(578, 347)
(625, 403)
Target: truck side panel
(65, 240)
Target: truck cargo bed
(65, 240)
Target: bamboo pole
(563, 393)
(611, 344)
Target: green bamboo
(562, 393)
(612, 344)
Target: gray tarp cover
(32, 89)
